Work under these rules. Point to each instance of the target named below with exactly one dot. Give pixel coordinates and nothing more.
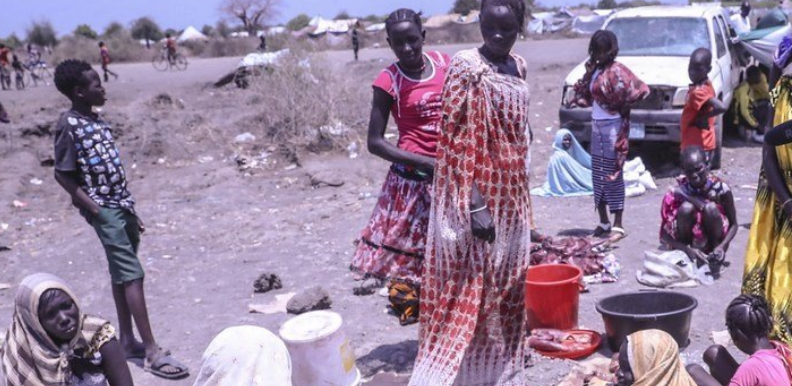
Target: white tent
(191, 33)
(323, 26)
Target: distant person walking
(106, 60)
(355, 42)
(610, 89)
(262, 43)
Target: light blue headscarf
(569, 171)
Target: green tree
(172, 32)
(114, 29)
(607, 4)
(208, 30)
(343, 15)
(298, 22)
(464, 7)
(374, 19)
(42, 33)
(12, 41)
(84, 30)
(146, 29)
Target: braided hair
(604, 41)
(750, 315)
(517, 7)
(400, 15)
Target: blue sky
(65, 15)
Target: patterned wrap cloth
(473, 322)
(29, 356)
(616, 89)
(654, 359)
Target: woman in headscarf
(611, 90)
(473, 322)
(52, 343)
(651, 358)
(569, 169)
(245, 355)
(767, 268)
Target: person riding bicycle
(105, 54)
(170, 45)
(34, 55)
(4, 64)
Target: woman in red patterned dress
(392, 244)
(473, 322)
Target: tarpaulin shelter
(762, 42)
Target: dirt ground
(212, 229)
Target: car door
(724, 58)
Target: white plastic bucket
(320, 353)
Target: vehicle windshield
(659, 36)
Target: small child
(88, 166)
(750, 324)
(19, 71)
(105, 53)
(701, 106)
(698, 216)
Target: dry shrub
(304, 104)
(122, 49)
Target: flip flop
(166, 360)
(602, 229)
(620, 234)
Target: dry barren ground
(213, 229)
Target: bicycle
(38, 72)
(162, 62)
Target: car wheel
(715, 163)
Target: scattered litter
(205, 159)
(19, 204)
(722, 338)
(751, 187)
(4, 248)
(4, 286)
(390, 136)
(312, 299)
(244, 138)
(364, 195)
(3, 227)
(549, 129)
(36, 181)
(167, 257)
(134, 166)
(291, 167)
(161, 161)
(266, 282)
(352, 149)
(276, 306)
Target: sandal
(602, 229)
(620, 234)
(166, 359)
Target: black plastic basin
(662, 310)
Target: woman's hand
(482, 225)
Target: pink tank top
(417, 107)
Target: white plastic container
(320, 353)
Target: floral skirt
(392, 244)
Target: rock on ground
(312, 299)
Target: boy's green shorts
(120, 236)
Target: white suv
(655, 43)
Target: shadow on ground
(391, 358)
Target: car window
(660, 36)
(720, 41)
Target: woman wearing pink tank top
(391, 246)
